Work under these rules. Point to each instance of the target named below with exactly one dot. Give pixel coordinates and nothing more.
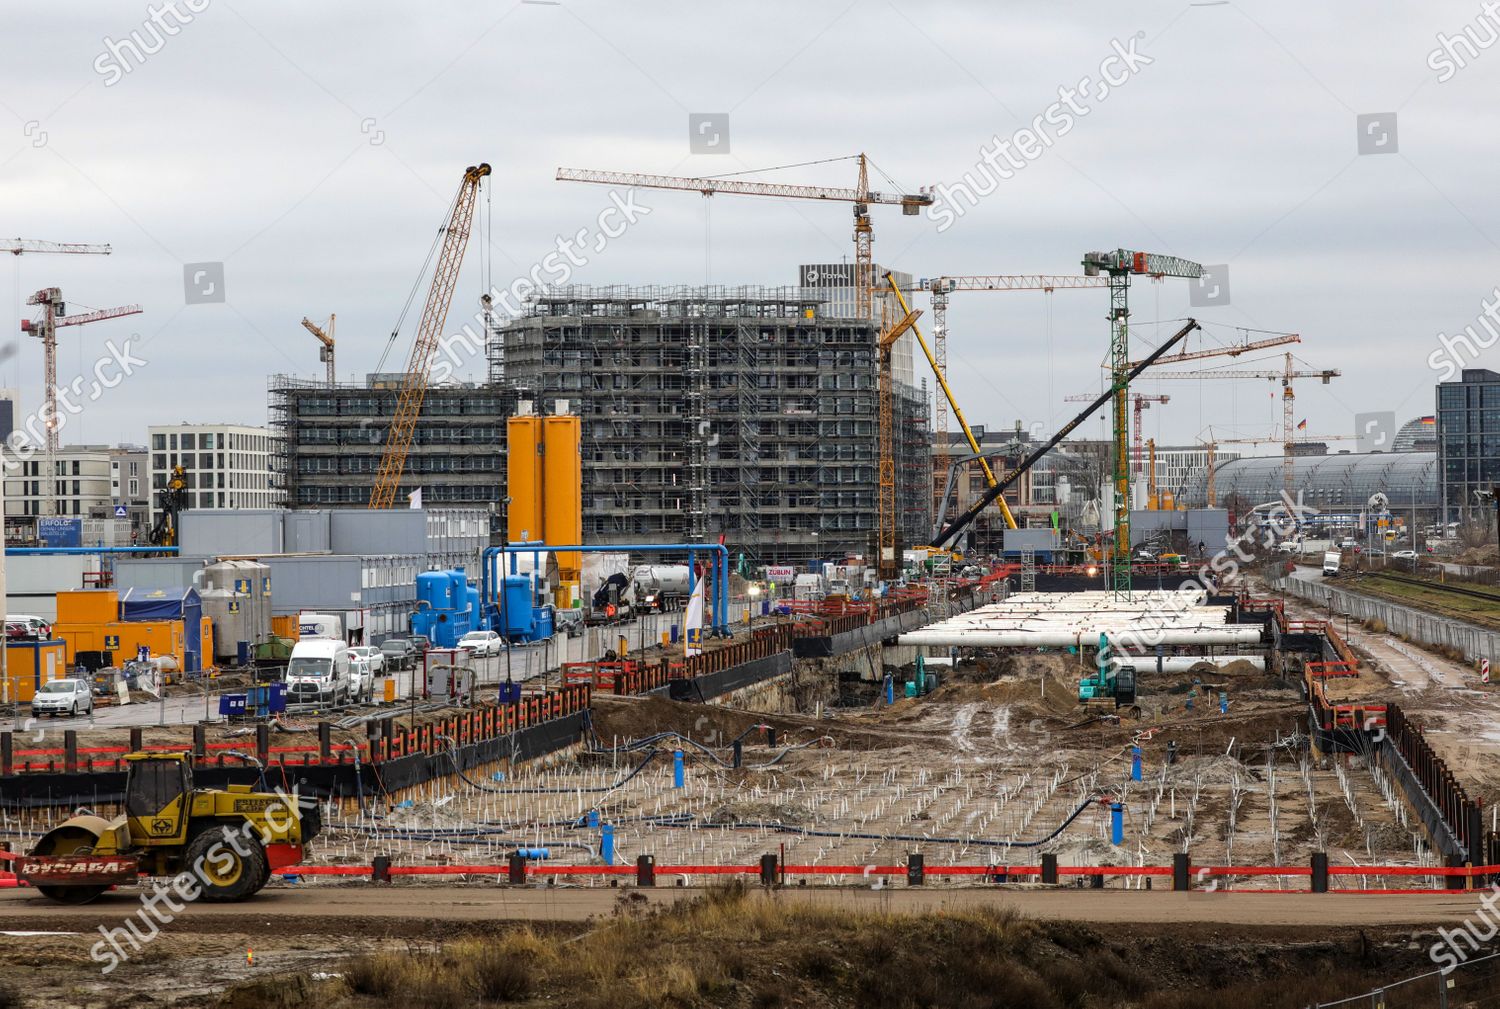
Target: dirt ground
(1459, 714)
(1000, 764)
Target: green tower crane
(1119, 266)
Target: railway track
(1456, 590)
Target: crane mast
(1119, 266)
(887, 538)
(429, 331)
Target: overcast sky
(313, 150)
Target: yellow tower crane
(861, 196)
(1288, 397)
(455, 240)
(325, 336)
(939, 288)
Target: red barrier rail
(1195, 872)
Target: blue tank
(520, 614)
(443, 607)
(435, 589)
(476, 618)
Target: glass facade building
(1468, 419)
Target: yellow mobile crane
(958, 414)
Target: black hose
(786, 828)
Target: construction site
(645, 643)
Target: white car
(36, 627)
(361, 677)
(1404, 555)
(63, 697)
(482, 643)
(374, 656)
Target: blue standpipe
(593, 819)
(1135, 763)
(1116, 824)
(607, 844)
(890, 689)
(679, 773)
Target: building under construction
(750, 412)
(331, 438)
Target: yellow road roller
(230, 840)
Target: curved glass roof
(1330, 482)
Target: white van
(319, 625)
(318, 673)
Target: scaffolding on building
(706, 411)
(331, 439)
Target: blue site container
(232, 705)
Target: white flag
(693, 626)
(415, 497)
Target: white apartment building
(81, 482)
(225, 465)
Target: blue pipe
(23, 551)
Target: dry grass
(747, 948)
(380, 975)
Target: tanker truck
(659, 587)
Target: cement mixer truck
(659, 587)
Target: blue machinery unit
(447, 607)
(494, 563)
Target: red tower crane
(53, 315)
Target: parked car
(481, 643)
(398, 653)
(63, 697)
(374, 656)
(569, 621)
(29, 628)
(361, 676)
(1404, 555)
(421, 643)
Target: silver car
(63, 697)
